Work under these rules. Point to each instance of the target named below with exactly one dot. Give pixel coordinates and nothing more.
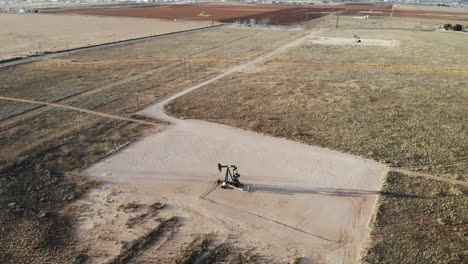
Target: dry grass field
(45, 146)
(377, 102)
(428, 225)
(28, 34)
(358, 21)
(404, 106)
(461, 9)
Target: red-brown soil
(277, 14)
(288, 16)
(188, 12)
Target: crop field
(277, 14)
(83, 107)
(208, 12)
(404, 106)
(229, 13)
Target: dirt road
(157, 109)
(304, 201)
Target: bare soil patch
(296, 190)
(28, 34)
(185, 12)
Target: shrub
(457, 27)
(447, 26)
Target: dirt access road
(305, 201)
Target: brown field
(278, 14)
(228, 13)
(216, 12)
(287, 16)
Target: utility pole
(137, 100)
(32, 45)
(190, 65)
(79, 120)
(307, 20)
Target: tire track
(429, 176)
(17, 147)
(61, 102)
(444, 164)
(91, 112)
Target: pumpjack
(357, 39)
(231, 178)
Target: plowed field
(277, 14)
